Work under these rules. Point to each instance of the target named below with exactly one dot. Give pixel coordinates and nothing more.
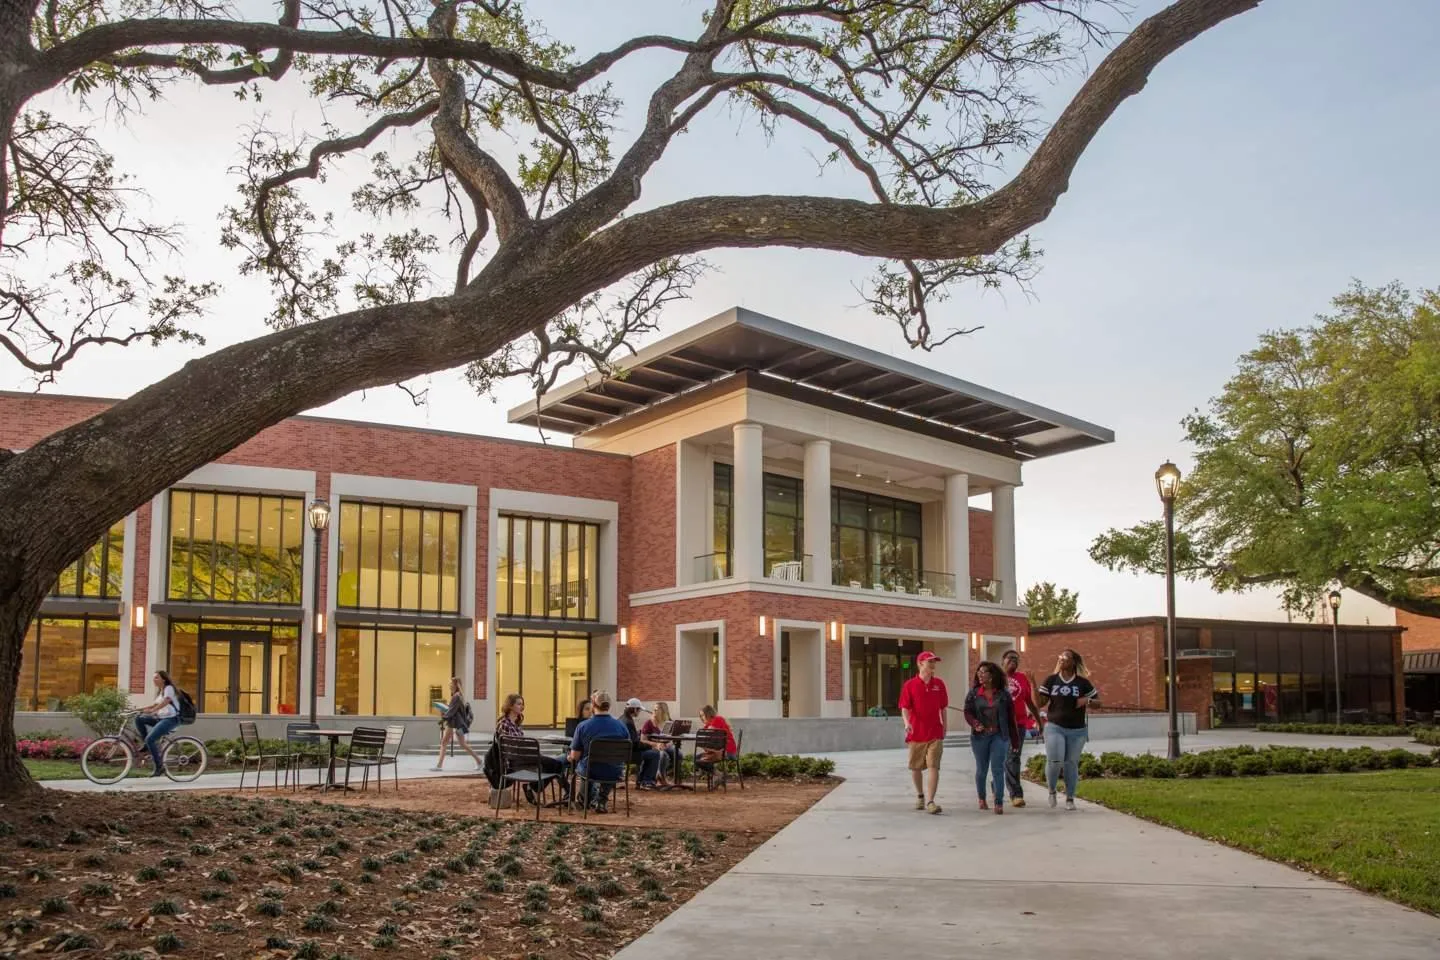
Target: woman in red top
(709, 758)
(991, 715)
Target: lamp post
(319, 519)
(1167, 483)
(1335, 646)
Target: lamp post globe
(1167, 484)
(319, 517)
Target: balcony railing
(795, 569)
(984, 591)
(712, 566)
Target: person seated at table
(709, 758)
(669, 749)
(644, 753)
(601, 726)
(512, 724)
(585, 710)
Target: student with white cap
(644, 754)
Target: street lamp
(319, 520)
(1335, 644)
(1167, 483)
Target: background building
(754, 515)
(1235, 672)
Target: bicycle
(110, 759)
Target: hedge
(1336, 729)
(1244, 762)
(1430, 736)
(51, 748)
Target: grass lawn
(1379, 831)
(70, 769)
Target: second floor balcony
(881, 578)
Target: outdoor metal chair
(367, 750)
(253, 751)
(521, 767)
(609, 752)
(394, 736)
(301, 746)
(707, 740)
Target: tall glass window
(875, 540)
(98, 574)
(399, 558)
(63, 656)
(393, 671)
(239, 667)
(784, 520)
(550, 670)
(723, 518)
(549, 569)
(235, 547)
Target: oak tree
(1319, 463)
(539, 261)
(1051, 606)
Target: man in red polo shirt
(923, 702)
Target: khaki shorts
(926, 756)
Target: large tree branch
(273, 69)
(1420, 605)
(896, 231)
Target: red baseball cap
(927, 657)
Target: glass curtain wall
(63, 656)
(1288, 676)
(235, 547)
(548, 569)
(875, 540)
(99, 572)
(550, 669)
(399, 558)
(384, 671)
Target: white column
(817, 510)
(749, 502)
(1002, 509)
(957, 531)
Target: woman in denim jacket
(993, 731)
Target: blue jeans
(990, 750)
(151, 730)
(649, 767)
(1063, 746)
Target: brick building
(753, 515)
(1235, 672)
(1422, 662)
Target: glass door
(233, 675)
(550, 670)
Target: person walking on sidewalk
(1065, 695)
(923, 702)
(1027, 718)
(456, 722)
(993, 733)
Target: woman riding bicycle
(158, 719)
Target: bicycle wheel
(185, 759)
(107, 760)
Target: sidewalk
(862, 875)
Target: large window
(550, 670)
(399, 558)
(1288, 675)
(98, 574)
(393, 671)
(548, 569)
(244, 667)
(235, 547)
(875, 540)
(784, 520)
(723, 519)
(63, 656)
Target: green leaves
(1319, 462)
(1050, 606)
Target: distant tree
(1050, 606)
(1318, 463)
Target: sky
(1265, 167)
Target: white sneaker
(437, 768)
(1052, 801)
(1069, 804)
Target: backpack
(467, 716)
(187, 707)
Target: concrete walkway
(862, 875)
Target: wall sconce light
(762, 626)
(1022, 643)
(974, 641)
(480, 623)
(137, 617)
(834, 630)
(624, 636)
(320, 623)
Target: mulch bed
(425, 873)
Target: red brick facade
(642, 487)
(1421, 633)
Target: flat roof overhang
(783, 358)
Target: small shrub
(339, 889)
(168, 943)
(330, 908)
(39, 874)
(314, 866)
(54, 906)
(1222, 766)
(98, 890)
(1254, 765)
(309, 950)
(210, 896)
(373, 864)
(318, 923)
(382, 943)
(164, 908)
(222, 875)
(270, 908)
(78, 941)
(94, 861)
(1400, 758)
(102, 710)
(529, 920)
(494, 882)
(172, 863)
(562, 875)
(610, 887)
(278, 943)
